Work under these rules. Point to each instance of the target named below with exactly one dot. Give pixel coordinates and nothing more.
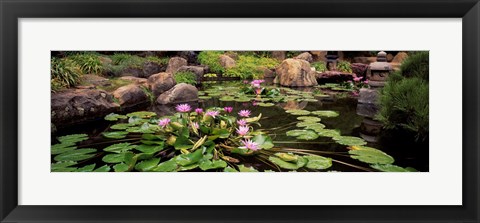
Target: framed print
(268, 111)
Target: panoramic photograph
(239, 111)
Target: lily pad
(315, 127)
(114, 158)
(229, 169)
(189, 159)
(74, 138)
(114, 117)
(390, 168)
(147, 165)
(142, 114)
(370, 155)
(204, 97)
(104, 168)
(120, 147)
(265, 104)
(327, 132)
(120, 126)
(298, 112)
(76, 155)
(215, 164)
(309, 123)
(227, 98)
(167, 166)
(288, 165)
(318, 162)
(243, 168)
(115, 135)
(150, 149)
(309, 119)
(349, 140)
(326, 113)
(61, 148)
(263, 141)
(87, 168)
(121, 167)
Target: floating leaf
(265, 104)
(120, 126)
(61, 148)
(114, 117)
(242, 99)
(74, 138)
(203, 98)
(119, 147)
(349, 140)
(167, 166)
(326, 113)
(229, 169)
(114, 158)
(150, 149)
(298, 112)
(215, 164)
(300, 162)
(104, 168)
(188, 159)
(188, 167)
(121, 167)
(76, 155)
(327, 132)
(147, 165)
(315, 127)
(392, 168)
(318, 162)
(243, 168)
(87, 168)
(309, 100)
(63, 164)
(182, 142)
(370, 155)
(115, 135)
(227, 98)
(264, 141)
(289, 157)
(309, 119)
(244, 152)
(308, 123)
(142, 114)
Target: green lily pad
(61, 148)
(147, 165)
(215, 164)
(150, 149)
(87, 168)
(318, 162)
(265, 104)
(76, 155)
(327, 132)
(309, 123)
(298, 112)
(182, 142)
(119, 147)
(227, 98)
(263, 141)
(104, 168)
(388, 168)
(370, 155)
(114, 158)
(74, 138)
(142, 114)
(115, 135)
(203, 98)
(120, 126)
(349, 140)
(229, 169)
(243, 99)
(189, 159)
(167, 166)
(309, 119)
(243, 168)
(315, 127)
(121, 167)
(326, 113)
(288, 165)
(188, 167)
(114, 117)
(309, 100)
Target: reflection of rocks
(78, 105)
(295, 73)
(370, 129)
(368, 96)
(160, 83)
(175, 63)
(305, 56)
(289, 105)
(226, 61)
(130, 96)
(333, 76)
(178, 94)
(367, 110)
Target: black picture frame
(11, 11)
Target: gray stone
(367, 110)
(180, 93)
(279, 55)
(175, 63)
(161, 82)
(368, 96)
(130, 96)
(295, 73)
(305, 56)
(197, 70)
(226, 61)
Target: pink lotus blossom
(355, 93)
(254, 103)
(183, 108)
(357, 79)
(243, 130)
(213, 114)
(257, 82)
(258, 91)
(164, 122)
(244, 113)
(349, 81)
(199, 111)
(228, 109)
(365, 82)
(195, 125)
(245, 82)
(242, 122)
(249, 144)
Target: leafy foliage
(250, 67)
(319, 66)
(186, 77)
(344, 66)
(212, 60)
(88, 62)
(65, 73)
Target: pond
(319, 121)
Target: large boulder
(319, 55)
(150, 68)
(190, 56)
(295, 73)
(226, 61)
(400, 57)
(79, 105)
(197, 70)
(359, 69)
(160, 83)
(135, 80)
(175, 63)
(305, 56)
(180, 93)
(131, 95)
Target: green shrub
(88, 62)
(210, 75)
(212, 60)
(250, 67)
(291, 54)
(122, 61)
(319, 66)
(186, 77)
(404, 105)
(64, 73)
(416, 65)
(344, 66)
